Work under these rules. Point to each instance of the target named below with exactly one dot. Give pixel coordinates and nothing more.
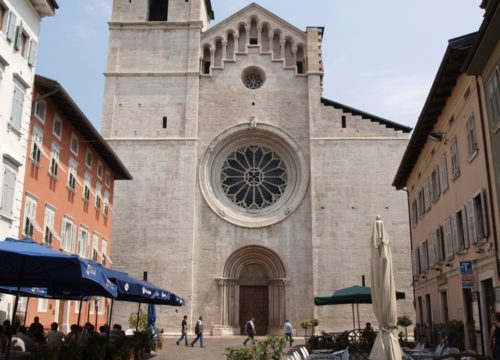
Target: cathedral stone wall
(166, 221)
(350, 186)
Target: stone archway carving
(229, 285)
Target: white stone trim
(249, 134)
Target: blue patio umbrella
(135, 290)
(25, 263)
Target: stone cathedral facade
(251, 193)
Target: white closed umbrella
(386, 346)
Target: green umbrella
(350, 295)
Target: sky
(380, 56)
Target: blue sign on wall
(466, 274)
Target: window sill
(36, 163)
(455, 176)
(97, 208)
(6, 218)
(14, 129)
(473, 156)
(496, 127)
(52, 176)
(40, 119)
(86, 201)
(70, 189)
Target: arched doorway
(253, 285)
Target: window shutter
(427, 195)
(19, 35)
(443, 173)
(17, 107)
(471, 222)
(440, 244)
(465, 230)
(454, 232)
(63, 235)
(11, 27)
(485, 213)
(9, 182)
(449, 238)
(33, 52)
(431, 250)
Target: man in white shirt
(287, 329)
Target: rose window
(253, 77)
(254, 177)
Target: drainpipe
(488, 175)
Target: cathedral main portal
(253, 286)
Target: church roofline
(82, 124)
(260, 8)
(389, 124)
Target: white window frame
(87, 187)
(57, 120)
(471, 136)
(54, 160)
(30, 225)
(95, 247)
(106, 208)
(40, 110)
(108, 178)
(68, 235)
(448, 237)
(36, 145)
(83, 242)
(72, 175)
(89, 158)
(49, 231)
(98, 195)
(100, 169)
(104, 251)
(74, 144)
(9, 181)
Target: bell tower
(153, 67)
(163, 10)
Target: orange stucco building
(68, 195)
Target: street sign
(466, 274)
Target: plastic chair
(304, 352)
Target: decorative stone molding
(266, 136)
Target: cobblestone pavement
(214, 348)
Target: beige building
(447, 171)
(251, 194)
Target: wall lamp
(435, 136)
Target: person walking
(495, 338)
(287, 329)
(198, 330)
(250, 330)
(184, 325)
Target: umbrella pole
(137, 323)
(13, 323)
(110, 317)
(357, 309)
(353, 318)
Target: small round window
(253, 78)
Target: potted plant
(404, 321)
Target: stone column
(277, 304)
(229, 319)
(224, 52)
